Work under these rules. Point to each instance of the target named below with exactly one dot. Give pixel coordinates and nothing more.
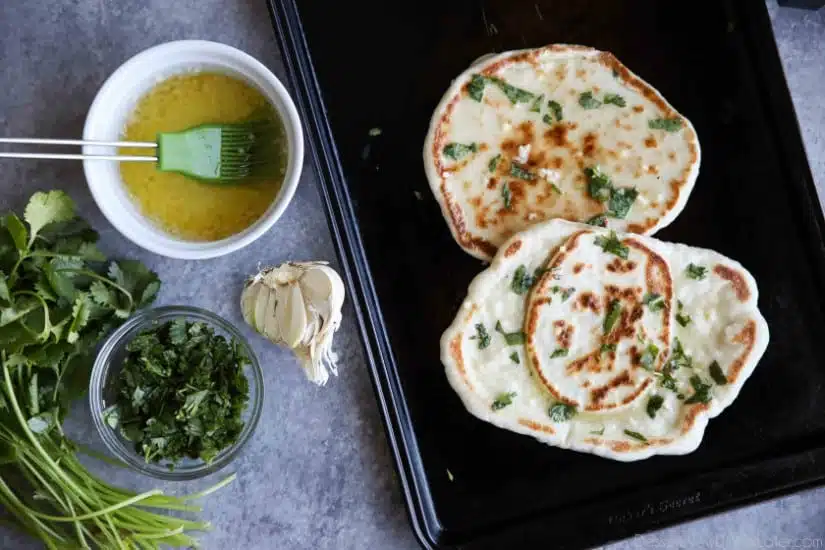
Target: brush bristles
(247, 149)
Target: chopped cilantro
(560, 352)
(620, 201)
(587, 101)
(683, 319)
(493, 163)
(547, 119)
(607, 348)
(515, 95)
(697, 272)
(502, 400)
(506, 196)
(475, 89)
(615, 99)
(668, 124)
(514, 358)
(654, 403)
(613, 245)
(562, 412)
(653, 301)
(599, 186)
(567, 293)
(536, 106)
(701, 391)
(635, 435)
(599, 220)
(555, 107)
(717, 374)
(598, 432)
(458, 151)
(522, 282)
(678, 357)
(482, 336)
(511, 338)
(614, 311)
(520, 172)
(648, 358)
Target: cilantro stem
(221, 484)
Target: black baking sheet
(366, 64)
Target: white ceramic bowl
(116, 101)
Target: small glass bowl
(102, 392)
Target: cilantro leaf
(701, 391)
(667, 124)
(620, 201)
(520, 172)
(536, 106)
(615, 99)
(654, 403)
(717, 374)
(697, 272)
(491, 166)
(502, 400)
(683, 319)
(80, 316)
(599, 186)
(555, 107)
(515, 95)
(522, 282)
(482, 336)
(559, 352)
(587, 101)
(599, 220)
(18, 232)
(562, 412)
(514, 358)
(614, 311)
(612, 245)
(505, 196)
(635, 435)
(4, 289)
(46, 208)
(458, 151)
(607, 348)
(653, 301)
(475, 89)
(511, 338)
(648, 358)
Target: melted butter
(181, 206)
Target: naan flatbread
(708, 332)
(556, 132)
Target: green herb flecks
(506, 196)
(522, 281)
(482, 336)
(620, 201)
(518, 171)
(697, 272)
(502, 400)
(562, 412)
(536, 106)
(597, 432)
(493, 164)
(514, 358)
(599, 186)
(587, 101)
(654, 403)
(701, 391)
(567, 293)
(614, 312)
(667, 124)
(678, 357)
(607, 348)
(475, 89)
(717, 374)
(511, 338)
(556, 110)
(458, 151)
(683, 318)
(649, 356)
(559, 352)
(515, 95)
(615, 99)
(599, 220)
(612, 245)
(181, 392)
(654, 301)
(547, 119)
(635, 435)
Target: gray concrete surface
(318, 475)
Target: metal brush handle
(64, 156)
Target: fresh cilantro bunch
(58, 297)
(181, 392)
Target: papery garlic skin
(298, 305)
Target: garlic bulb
(298, 305)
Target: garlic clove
(292, 315)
